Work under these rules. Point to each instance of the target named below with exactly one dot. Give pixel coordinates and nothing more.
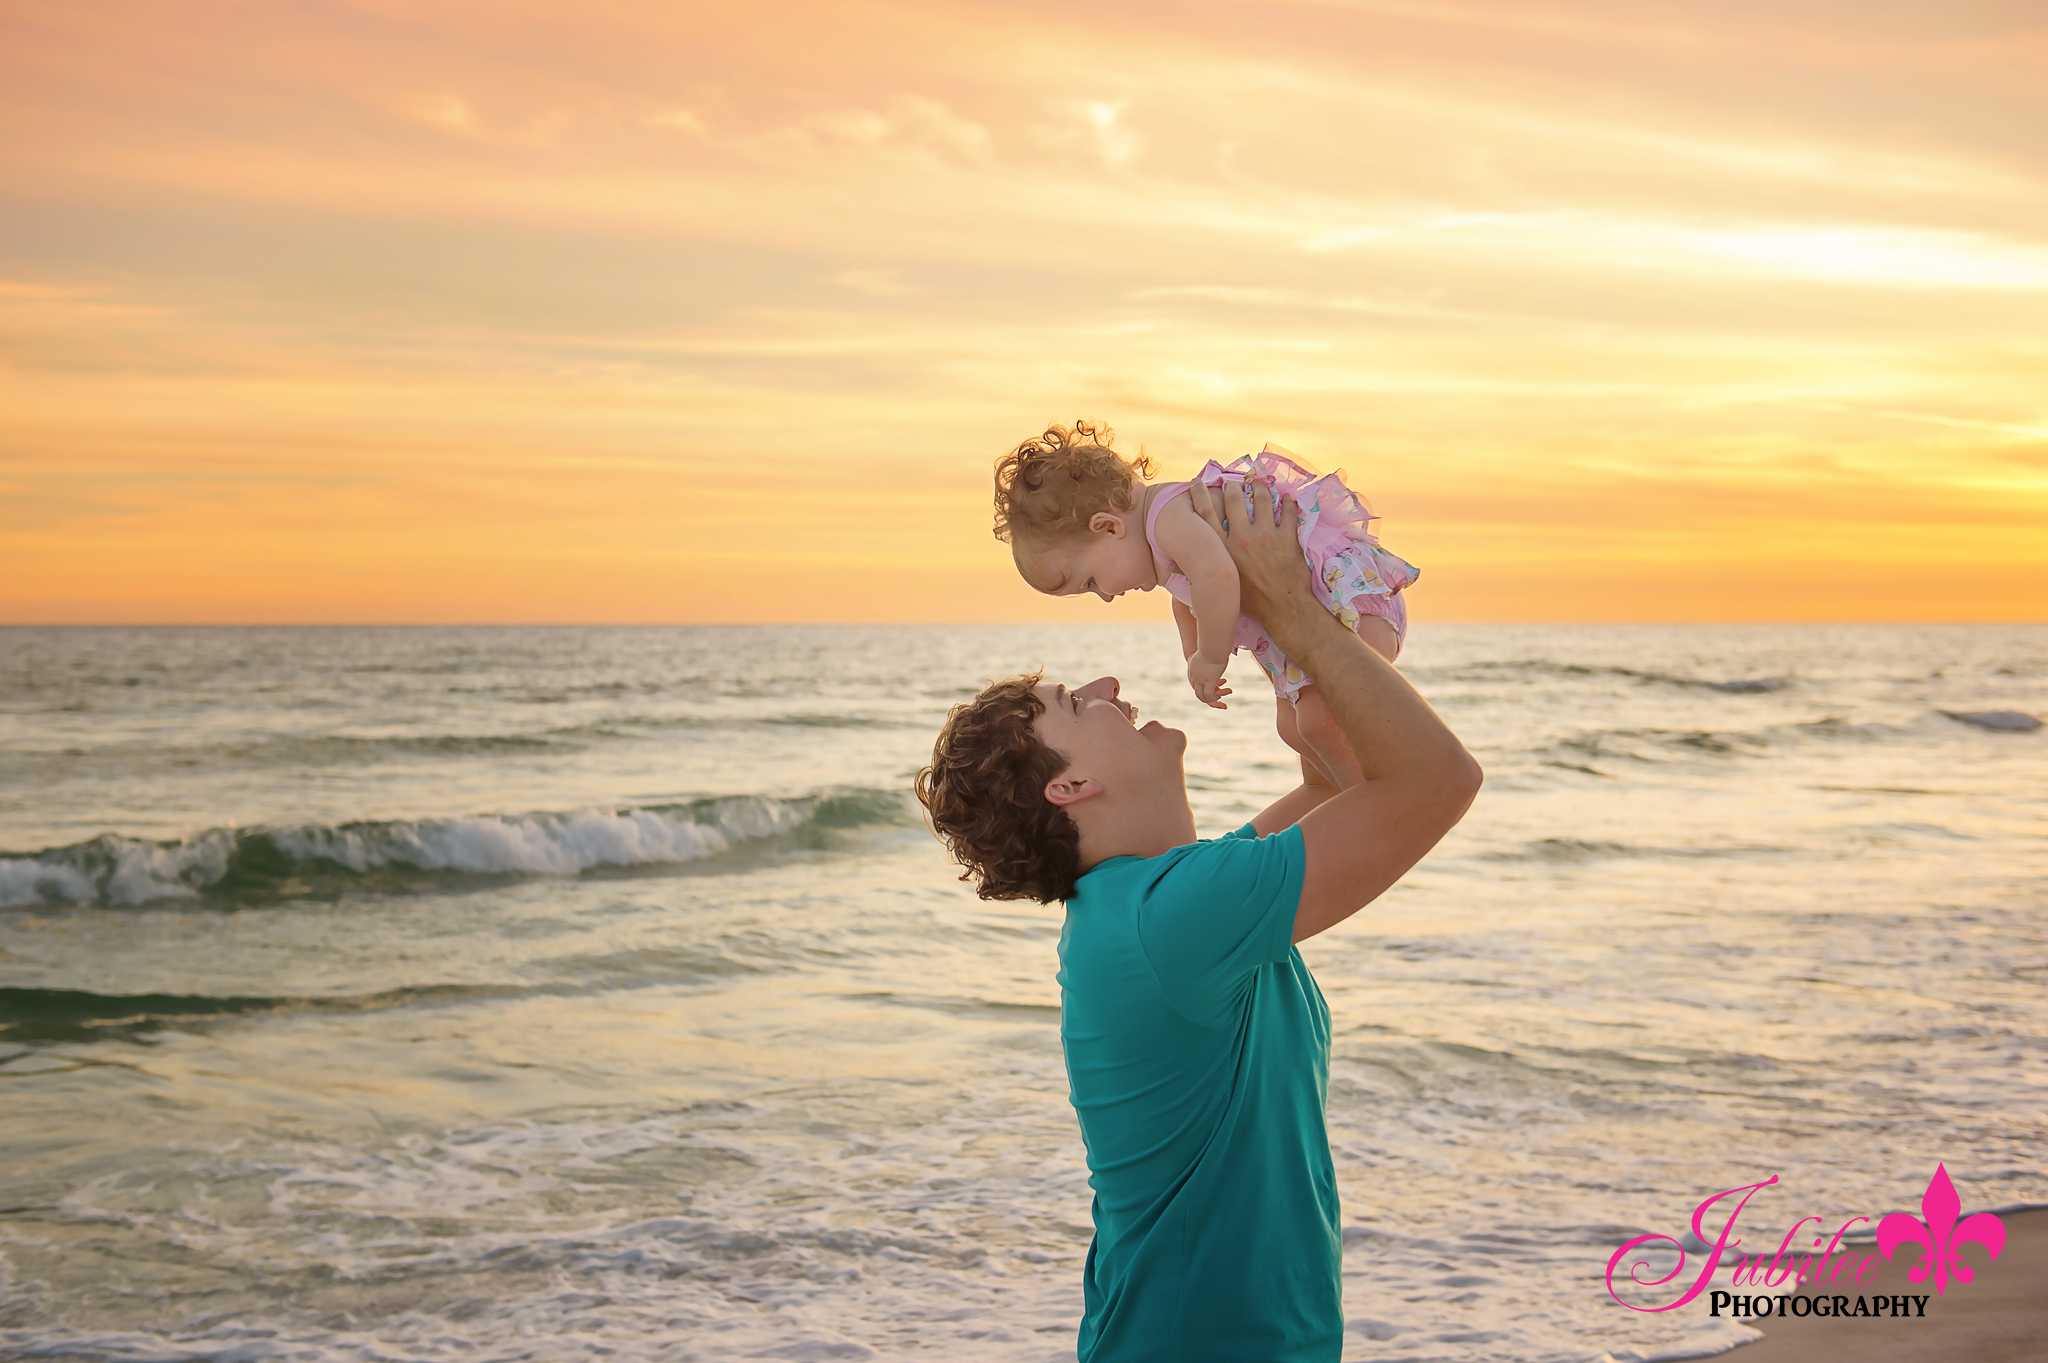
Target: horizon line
(912, 624)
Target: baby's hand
(1207, 679)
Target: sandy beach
(2001, 1316)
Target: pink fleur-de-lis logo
(1939, 1237)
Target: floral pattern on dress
(1351, 574)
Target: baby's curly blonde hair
(1050, 485)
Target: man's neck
(1136, 830)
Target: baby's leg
(1317, 726)
(1379, 636)
(1319, 733)
(1290, 733)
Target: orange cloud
(505, 312)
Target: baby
(1079, 517)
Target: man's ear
(1107, 523)
(1068, 790)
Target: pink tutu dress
(1352, 576)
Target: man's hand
(1415, 779)
(1272, 574)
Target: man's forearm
(1418, 779)
(1391, 729)
(1295, 804)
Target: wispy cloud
(515, 291)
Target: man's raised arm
(1418, 778)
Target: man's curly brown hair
(985, 793)
(1052, 483)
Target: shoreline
(2000, 1316)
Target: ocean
(560, 993)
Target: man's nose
(1102, 688)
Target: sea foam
(261, 862)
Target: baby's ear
(1107, 523)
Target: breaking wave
(268, 863)
(80, 1015)
(1493, 671)
(1581, 849)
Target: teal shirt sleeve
(1222, 911)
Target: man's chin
(1153, 729)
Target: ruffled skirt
(1352, 575)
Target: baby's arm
(1184, 621)
(1187, 539)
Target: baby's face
(1108, 563)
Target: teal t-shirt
(1198, 1058)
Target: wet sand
(2001, 1316)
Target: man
(1197, 1043)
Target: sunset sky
(614, 311)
